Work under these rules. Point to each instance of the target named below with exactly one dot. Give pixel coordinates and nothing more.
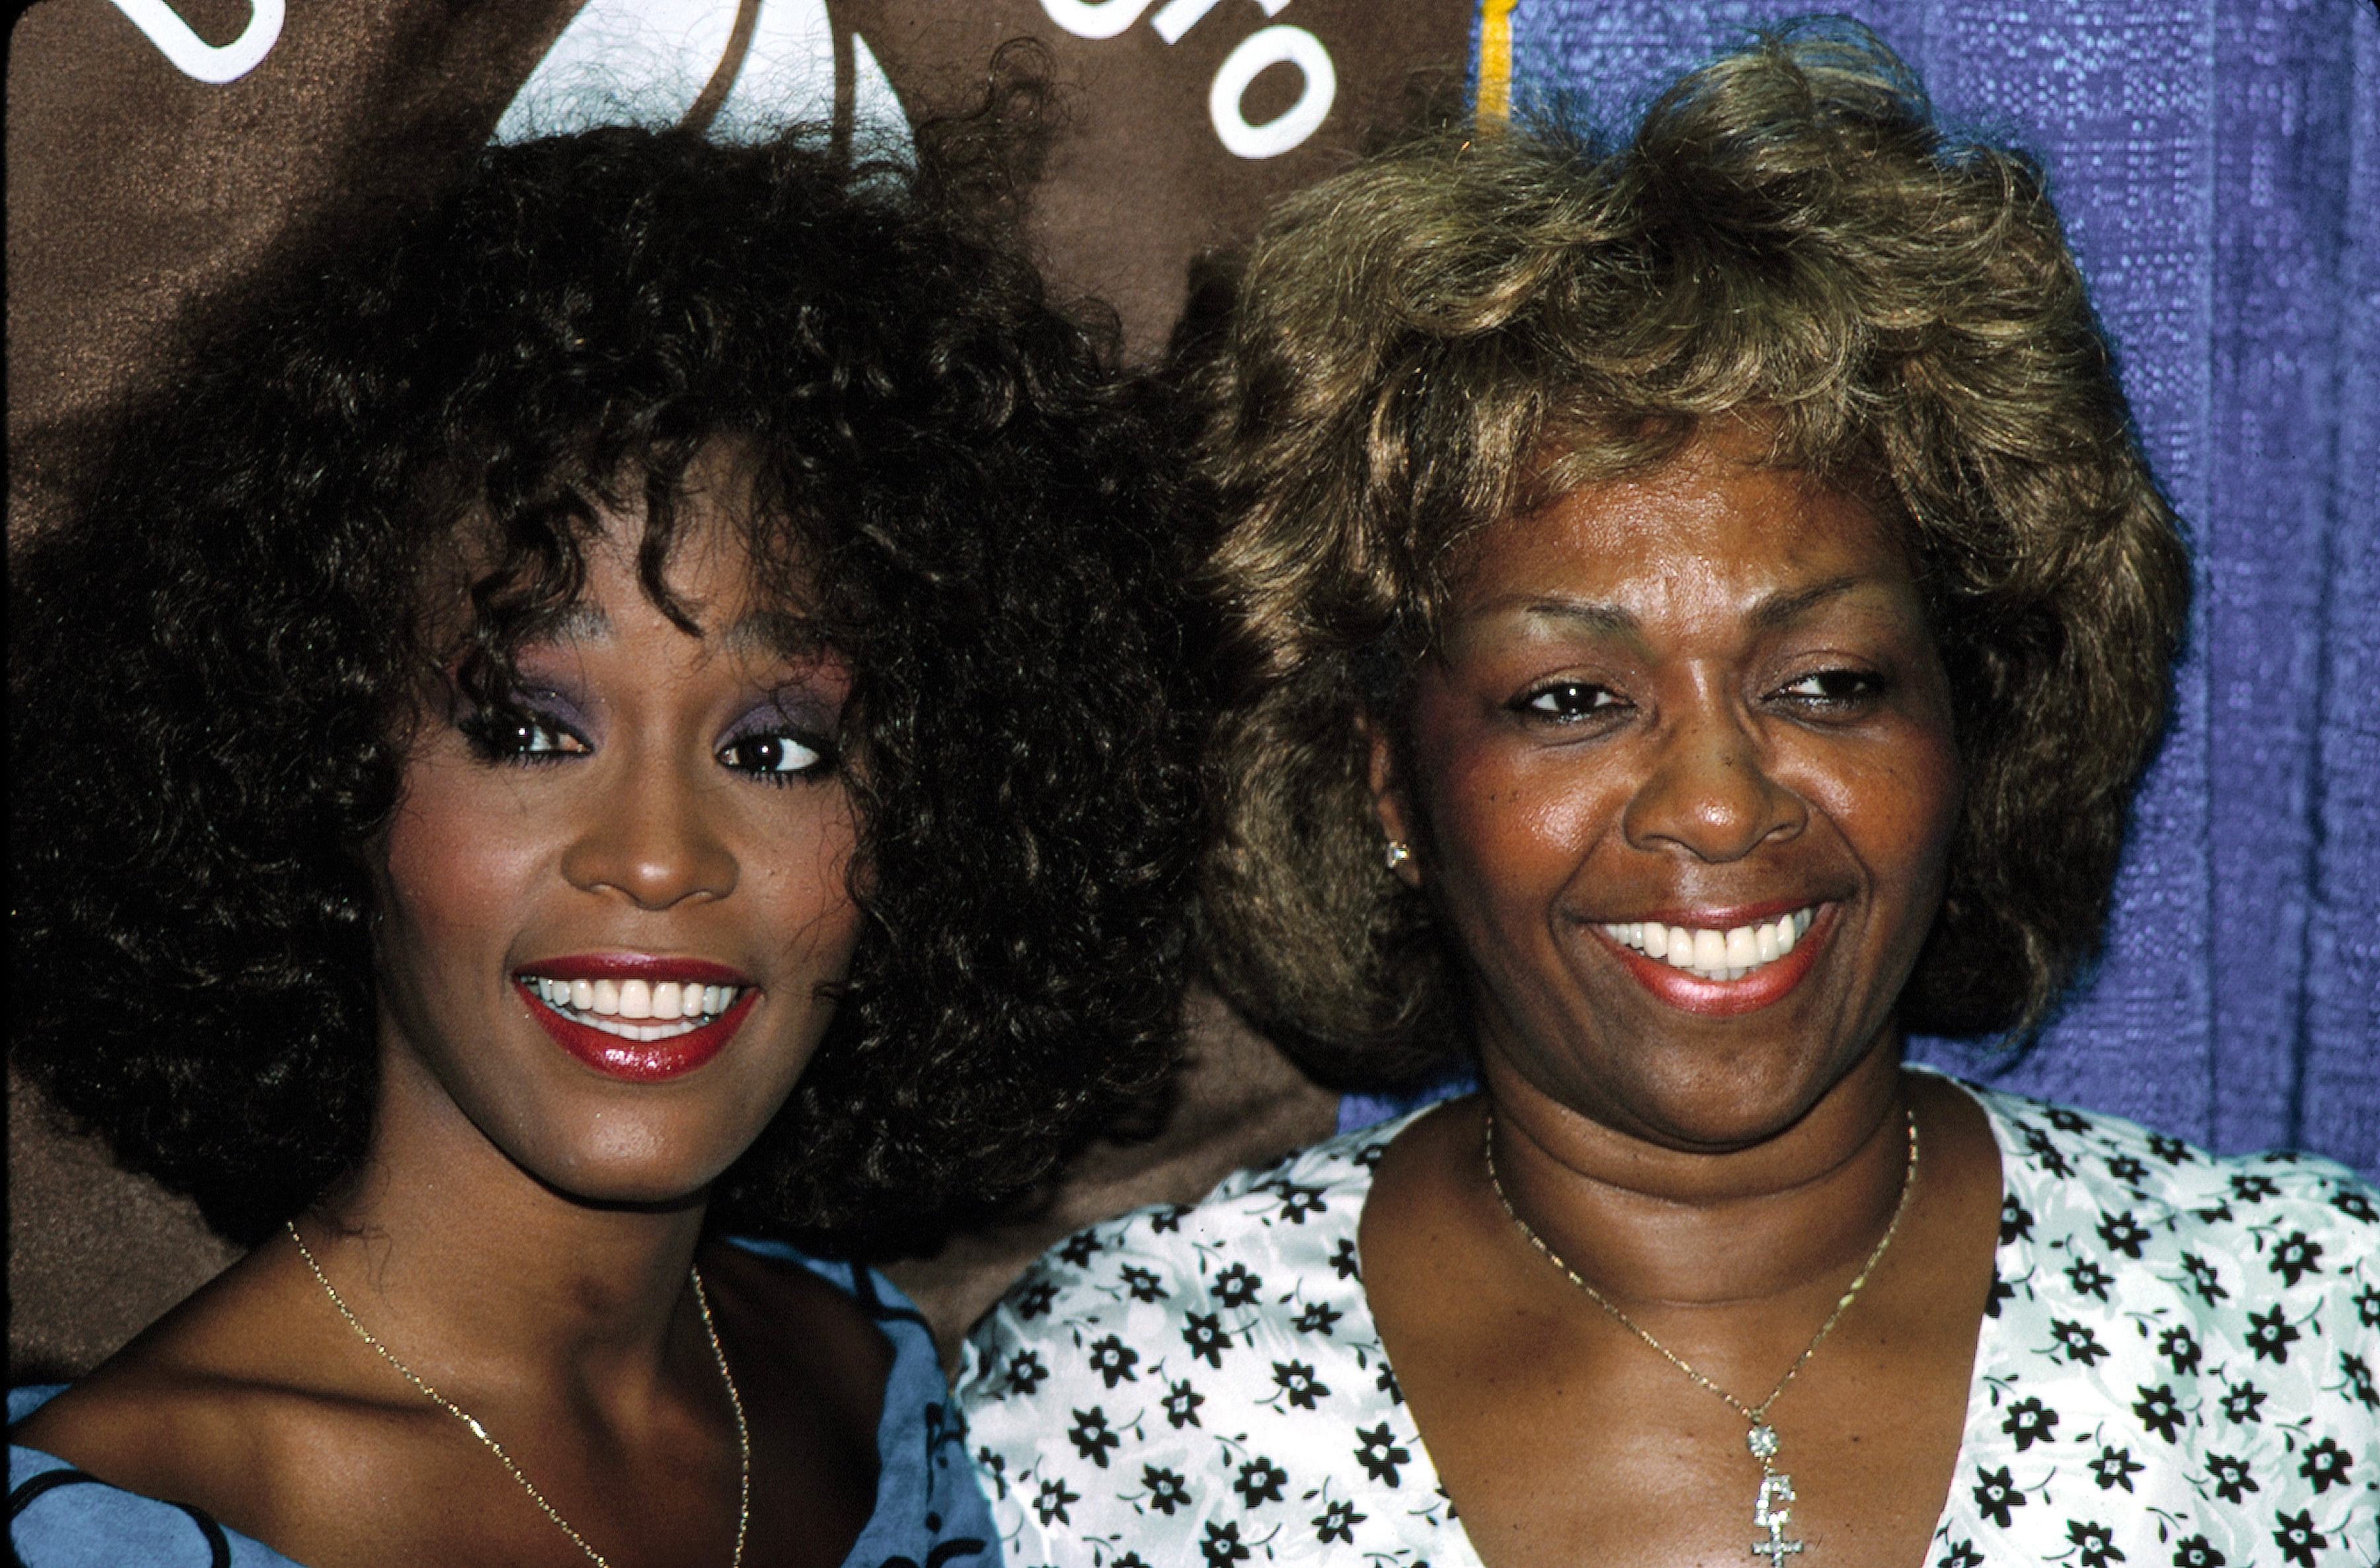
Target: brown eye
(1567, 702)
(778, 757)
(1834, 688)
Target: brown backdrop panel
(138, 196)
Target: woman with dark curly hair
(1699, 612)
(643, 708)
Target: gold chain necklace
(1771, 1511)
(735, 1399)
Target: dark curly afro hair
(214, 663)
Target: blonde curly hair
(1466, 328)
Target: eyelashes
(1845, 690)
(770, 746)
(514, 734)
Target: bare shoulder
(216, 1404)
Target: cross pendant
(1769, 1514)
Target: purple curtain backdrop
(2217, 166)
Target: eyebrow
(1778, 609)
(1783, 609)
(765, 631)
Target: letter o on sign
(1095, 18)
(1273, 46)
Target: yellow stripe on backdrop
(1495, 62)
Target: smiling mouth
(634, 1009)
(1716, 956)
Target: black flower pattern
(2203, 1278)
(1181, 1402)
(1080, 1248)
(1222, 1546)
(2243, 1403)
(1237, 1287)
(1260, 1481)
(2326, 1465)
(2270, 1335)
(2136, 1286)
(1995, 1494)
(1025, 1372)
(1166, 1491)
(1091, 1436)
(2231, 1478)
(2029, 1422)
(2076, 1342)
(2359, 1380)
(1053, 1499)
(2160, 1412)
(1202, 1332)
(1114, 1360)
(1337, 1522)
(1316, 1318)
(2088, 1279)
(2115, 1467)
(2249, 1187)
(1379, 1453)
(2016, 1220)
(2297, 1538)
(1295, 1379)
(2093, 1543)
(2295, 1256)
(2123, 1234)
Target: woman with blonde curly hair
(1699, 614)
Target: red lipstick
(636, 1061)
(1728, 999)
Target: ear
(1391, 803)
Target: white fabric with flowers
(2177, 1368)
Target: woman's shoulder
(1191, 1380)
(1297, 1214)
(2219, 1199)
(60, 1517)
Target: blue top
(929, 1508)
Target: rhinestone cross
(1770, 1514)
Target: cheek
(1508, 821)
(452, 868)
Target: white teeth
(1715, 954)
(675, 1007)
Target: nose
(1709, 791)
(653, 841)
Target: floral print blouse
(2176, 1366)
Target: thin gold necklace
(1771, 1511)
(735, 1399)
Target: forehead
(1712, 532)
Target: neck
(1653, 1225)
(471, 1268)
